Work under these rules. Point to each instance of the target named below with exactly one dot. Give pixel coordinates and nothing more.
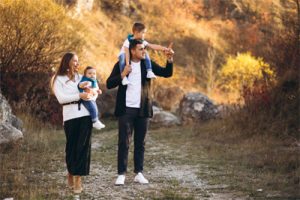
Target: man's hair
(138, 27)
(134, 43)
(87, 68)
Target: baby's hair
(138, 27)
(88, 68)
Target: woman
(76, 120)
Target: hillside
(204, 34)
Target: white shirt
(66, 91)
(126, 44)
(134, 89)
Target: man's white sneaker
(139, 178)
(98, 125)
(150, 74)
(125, 81)
(120, 180)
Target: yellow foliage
(35, 34)
(244, 70)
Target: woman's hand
(85, 96)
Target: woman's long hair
(64, 68)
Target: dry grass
(246, 163)
(24, 169)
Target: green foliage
(34, 34)
(243, 70)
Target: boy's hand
(85, 96)
(99, 91)
(84, 84)
(126, 71)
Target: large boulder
(106, 102)
(164, 118)
(10, 125)
(168, 97)
(196, 107)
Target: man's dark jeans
(128, 123)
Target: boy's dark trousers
(128, 123)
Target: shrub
(243, 71)
(34, 34)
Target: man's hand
(126, 71)
(99, 91)
(170, 52)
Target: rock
(164, 118)
(196, 107)
(10, 125)
(106, 102)
(168, 98)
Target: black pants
(78, 133)
(128, 123)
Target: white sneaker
(150, 74)
(120, 180)
(98, 125)
(125, 81)
(139, 178)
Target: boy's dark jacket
(115, 80)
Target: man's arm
(114, 78)
(163, 71)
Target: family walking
(132, 74)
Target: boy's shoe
(150, 74)
(139, 178)
(125, 81)
(98, 125)
(120, 180)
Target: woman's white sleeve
(61, 96)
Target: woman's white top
(66, 91)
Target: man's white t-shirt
(126, 44)
(134, 89)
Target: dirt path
(169, 176)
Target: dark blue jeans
(122, 62)
(91, 106)
(128, 123)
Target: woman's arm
(61, 96)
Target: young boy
(89, 84)
(138, 30)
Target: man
(134, 106)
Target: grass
(24, 169)
(261, 166)
(244, 162)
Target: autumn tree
(34, 34)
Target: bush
(34, 34)
(244, 70)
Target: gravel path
(168, 178)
